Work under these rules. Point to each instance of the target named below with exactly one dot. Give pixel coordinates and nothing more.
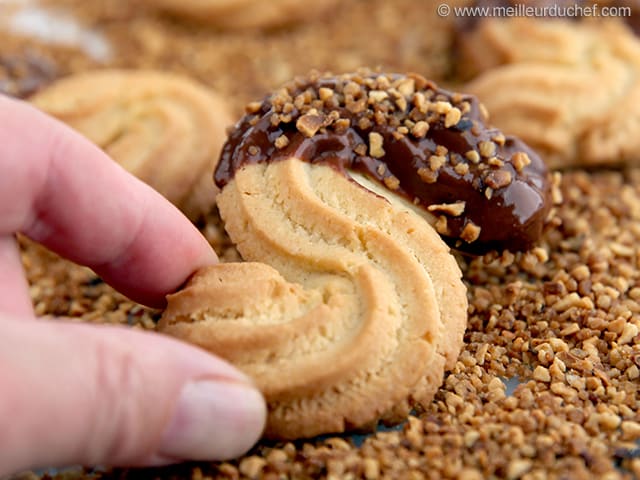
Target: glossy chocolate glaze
(510, 216)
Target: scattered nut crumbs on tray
(563, 318)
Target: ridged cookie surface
(165, 129)
(568, 89)
(356, 315)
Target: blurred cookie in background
(164, 128)
(560, 85)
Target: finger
(14, 294)
(97, 395)
(62, 191)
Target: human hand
(95, 395)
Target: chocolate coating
(424, 143)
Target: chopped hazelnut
(427, 175)
(325, 93)
(452, 117)
(420, 129)
(472, 156)
(375, 145)
(441, 107)
(309, 124)
(360, 149)
(406, 86)
(436, 162)
(281, 142)
(377, 96)
(495, 162)
(253, 107)
(471, 232)
(453, 209)
(253, 150)
(461, 169)
(498, 178)
(391, 182)
(499, 138)
(520, 160)
(487, 149)
(441, 225)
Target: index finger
(62, 191)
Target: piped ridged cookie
(360, 299)
(166, 129)
(569, 89)
(335, 190)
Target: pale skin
(73, 393)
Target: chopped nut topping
(406, 86)
(495, 162)
(427, 175)
(441, 107)
(470, 232)
(351, 88)
(377, 96)
(436, 162)
(441, 225)
(341, 125)
(484, 112)
(375, 145)
(498, 179)
(309, 124)
(461, 168)
(401, 103)
(487, 149)
(325, 93)
(500, 139)
(360, 149)
(281, 142)
(441, 150)
(253, 107)
(452, 118)
(364, 123)
(453, 209)
(420, 102)
(382, 168)
(472, 156)
(253, 150)
(488, 192)
(391, 182)
(520, 160)
(420, 129)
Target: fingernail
(214, 421)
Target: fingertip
(214, 420)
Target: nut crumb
(375, 145)
(470, 232)
(453, 209)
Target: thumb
(96, 395)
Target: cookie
(165, 129)
(569, 89)
(350, 307)
(245, 14)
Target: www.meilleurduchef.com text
(524, 10)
